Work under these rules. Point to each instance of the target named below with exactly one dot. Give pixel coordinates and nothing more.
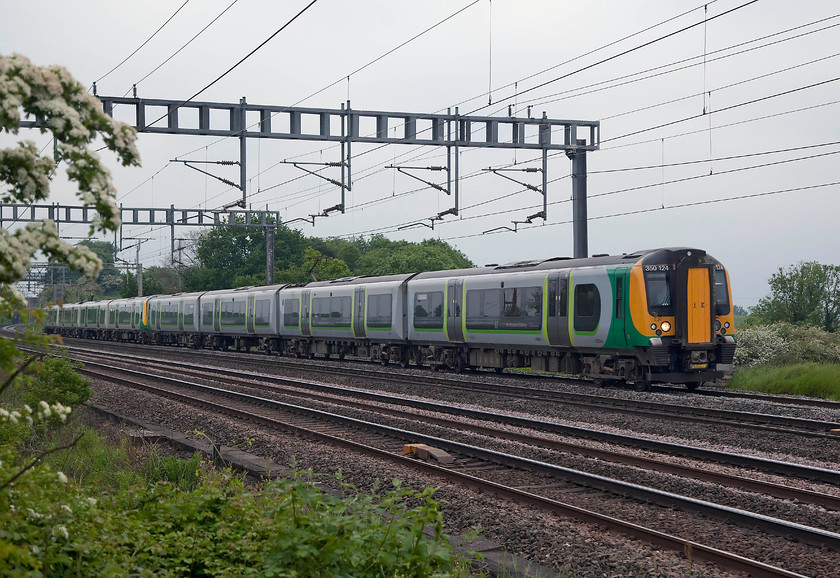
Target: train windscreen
(658, 289)
(721, 292)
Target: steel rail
(682, 546)
(728, 458)
(755, 421)
(739, 482)
(806, 534)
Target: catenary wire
(144, 43)
(243, 59)
(174, 54)
(670, 207)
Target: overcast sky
(737, 66)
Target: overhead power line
(671, 207)
(620, 54)
(724, 109)
(174, 54)
(243, 59)
(629, 78)
(395, 227)
(144, 43)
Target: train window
(331, 311)
(514, 308)
(523, 302)
(262, 312)
(619, 297)
(552, 298)
(379, 312)
(428, 310)
(291, 313)
(233, 313)
(563, 299)
(207, 315)
(721, 293)
(587, 307)
(658, 289)
(169, 315)
(124, 316)
(484, 308)
(189, 315)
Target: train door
(557, 318)
(217, 318)
(304, 312)
(619, 333)
(699, 306)
(455, 296)
(359, 312)
(250, 312)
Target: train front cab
(682, 311)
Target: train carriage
(363, 316)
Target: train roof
(662, 255)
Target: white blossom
(61, 477)
(61, 531)
(75, 118)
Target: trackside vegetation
(71, 503)
(790, 341)
(789, 359)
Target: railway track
(327, 393)
(762, 422)
(313, 423)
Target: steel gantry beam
(171, 217)
(344, 125)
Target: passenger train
(655, 316)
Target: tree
(224, 256)
(387, 257)
(316, 265)
(740, 311)
(61, 106)
(804, 294)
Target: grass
(809, 379)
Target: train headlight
(717, 325)
(726, 324)
(653, 326)
(666, 327)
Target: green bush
(183, 474)
(287, 528)
(808, 344)
(785, 343)
(811, 379)
(56, 381)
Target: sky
(716, 137)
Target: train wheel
(499, 370)
(460, 364)
(692, 386)
(641, 385)
(599, 382)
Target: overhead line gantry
(451, 130)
